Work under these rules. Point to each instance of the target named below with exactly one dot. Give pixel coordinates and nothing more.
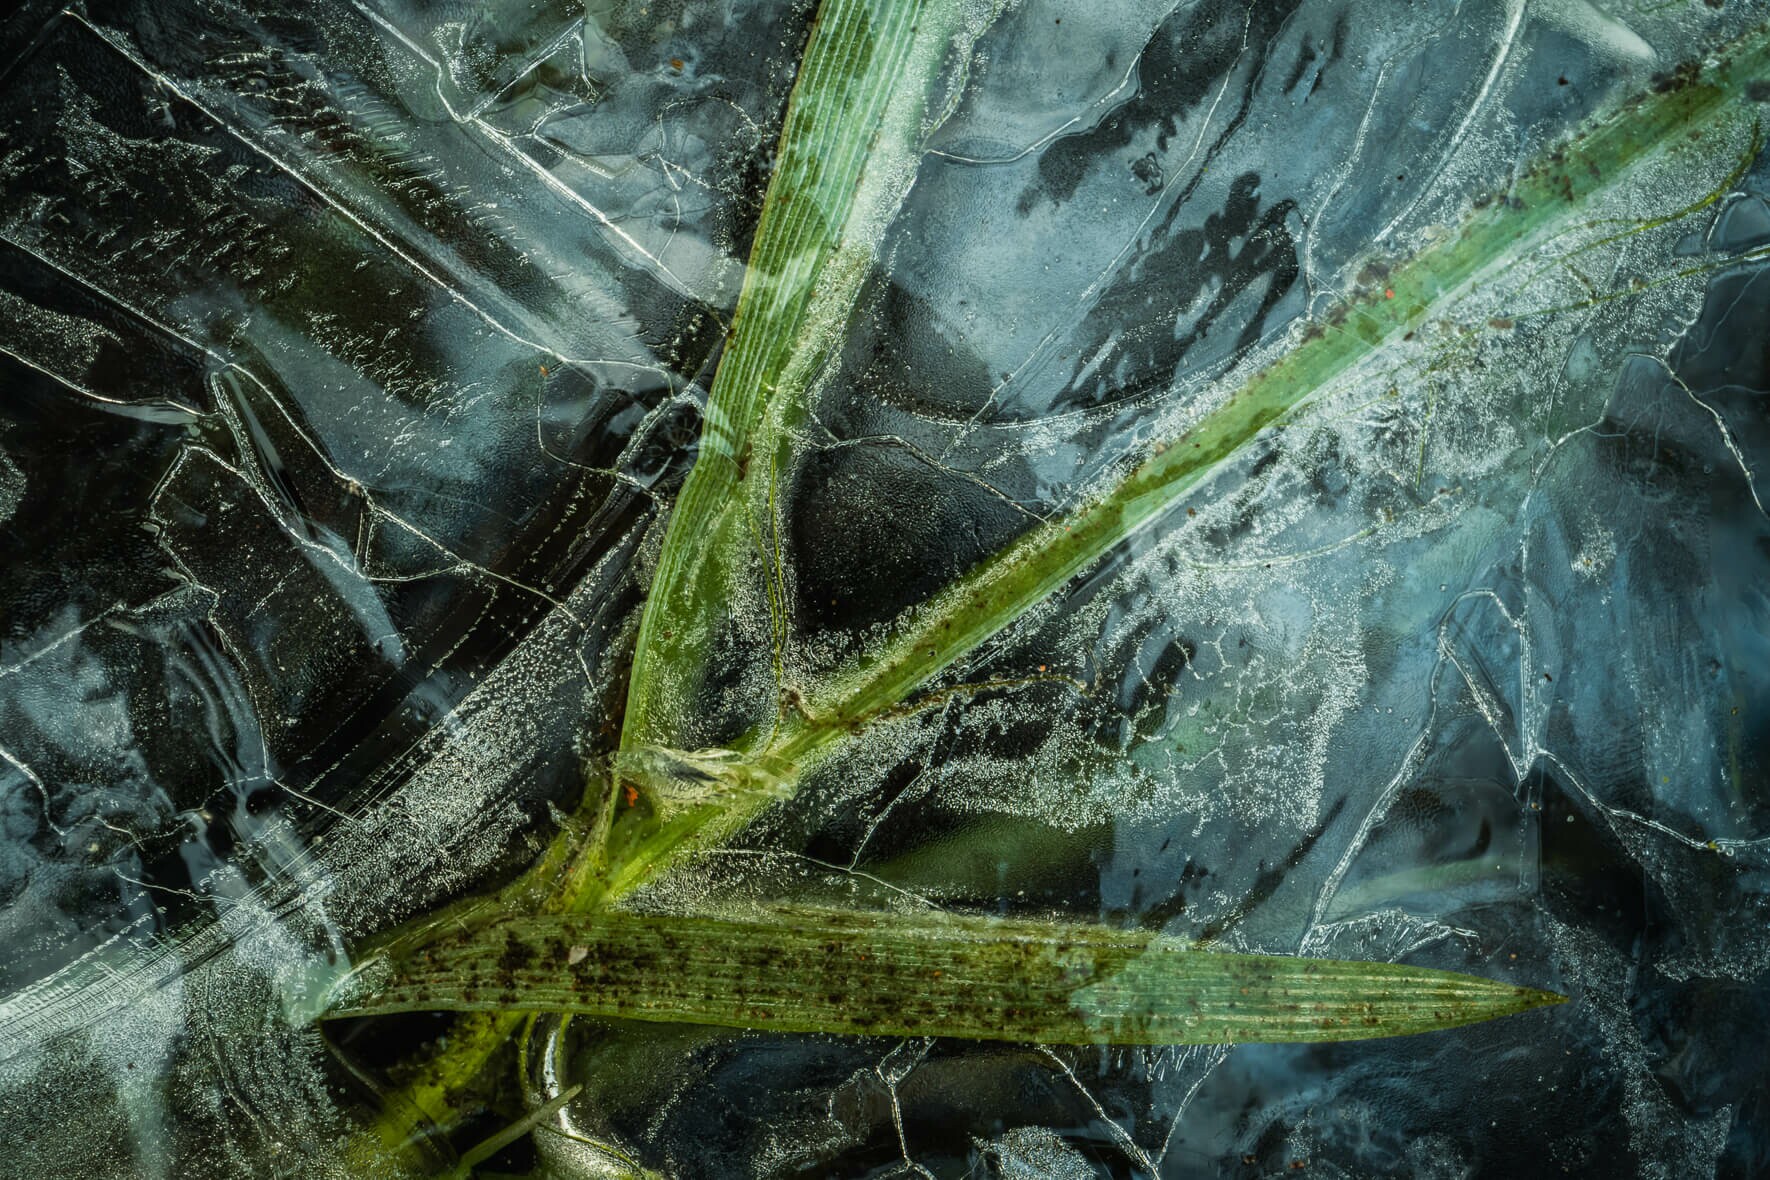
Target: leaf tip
(1531, 997)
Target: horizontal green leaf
(806, 971)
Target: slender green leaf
(893, 974)
(1545, 200)
(1542, 202)
(858, 118)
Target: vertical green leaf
(855, 127)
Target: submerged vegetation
(875, 79)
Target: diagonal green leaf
(492, 1145)
(887, 974)
(1545, 200)
(1542, 202)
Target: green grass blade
(855, 127)
(1543, 201)
(808, 971)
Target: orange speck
(1041, 667)
(1388, 292)
(543, 370)
(630, 794)
(676, 63)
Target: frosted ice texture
(353, 351)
